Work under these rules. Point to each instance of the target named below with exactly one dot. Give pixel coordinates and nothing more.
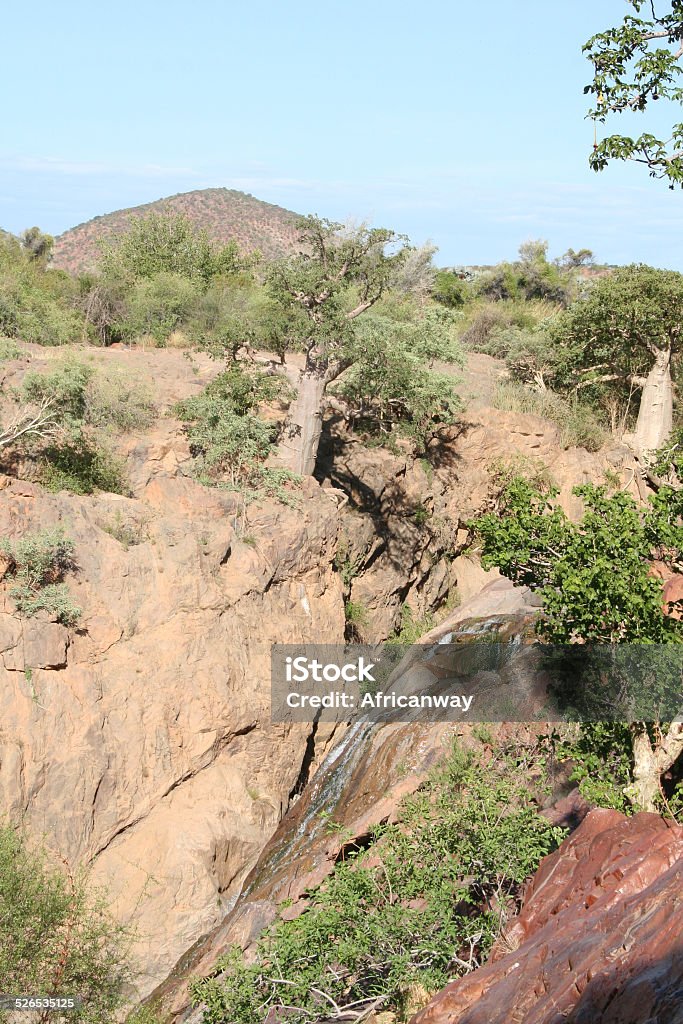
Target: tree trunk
(301, 435)
(655, 415)
(650, 763)
(644, 789)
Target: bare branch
(39, 423)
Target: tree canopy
(321, 299)
(597, 583)
(624, 336)
(158, 244)
(635, 64)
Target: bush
(578, 425)
(411, 629)
(496, 326)
(168, 245)
(414, 909)
(8, 350)
(29, 314)
(66, 386)
(450, 290)
(86, 403)
(38, 563)
(115, 402)
(602, 757)
(82, 465)
(158, 306)
(532, 276)
(87, 397)
(230, 314)
(56, 937)
(227, 437)
(36, 304)
(391, 385)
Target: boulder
(599, 936)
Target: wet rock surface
(359, 786)
(599, 937)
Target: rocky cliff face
(598, 938)
(404, 536)
(360, 785)
(139, 743)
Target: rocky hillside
(225, 214)
(139, 742)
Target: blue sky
(446, 120)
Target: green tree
(37, 244)
(169, 244)
(391, 381)
(595, 581)
(636, 63)
(532, 276)
(450, 289)
(624, 337)
(158, 305)
(336, 278)
(57, 937)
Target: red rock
(673, 597)
(599, 938)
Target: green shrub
(8, 349)
(414, 909)
(86, 403)
(411, 629)
(53, 599)
(148, 1013)
(227, 437)
(158, 306)
(85, 396)
(602, 756)
(36, 305)
(392, 387)
(57, 937)
(494, 327)
(38, 563)
(66, 386)
(168, 244)
(450, 289)
(82, 464)
(115, 402)
(578, 424)
(356, 615)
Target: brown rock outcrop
(404, 515)
(599, 937)
(360, 784)
(140, 742)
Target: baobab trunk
(650, 762)
(655, 415)
(301, 435)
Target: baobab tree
(624, 336)
(338, 275)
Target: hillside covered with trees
(225, 214)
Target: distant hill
(223, 212)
